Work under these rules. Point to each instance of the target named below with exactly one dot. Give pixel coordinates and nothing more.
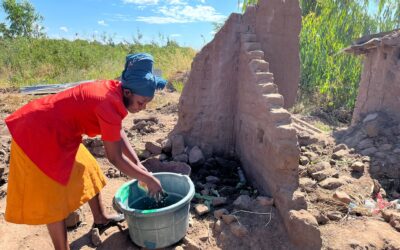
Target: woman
(51, 172)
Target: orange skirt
(33, 198)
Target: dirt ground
(264, 230)
(341, 227)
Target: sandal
(113, 221)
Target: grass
(25, 62)
(178, 85)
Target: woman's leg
(58, 234)
(99, 213)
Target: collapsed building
(379, 89)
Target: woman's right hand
(153, 186)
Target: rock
(318, 167)
(196, 157)
(331, 183)
(342, 196)
(98, 151)
(357, 166)
(305, 139)
(239, 230)
(153, 147)
(385, 147)
(218, 201)
(311, 156)
(339, 147)
(366, 143)
(212, 179)
(181, 158)
(366, 159)
(218, 226)
(178, 248)
(371, 128)
(265, 201)
(166, 145)
(332, 162)
(304, 160)
(163, 157)
(299, 200)
(322, 175)
(339, 154)
(144, 154)
(369, 151)
(321, 218)
(370, 117)
(335, 215)
(204, 237)
(201, 209)
(242, 202)
(73, 219)
(396, 150)
(178, 145)
(304, 230)
(228, 218)
(307, 184)
(95, 237)
(218, 213)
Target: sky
(188, 22)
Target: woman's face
(135, 103)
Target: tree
(22, 18)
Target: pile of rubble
(355, 178)
(378, 136)
(145, 126)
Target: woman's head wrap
(138, 75)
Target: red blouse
(50, 129)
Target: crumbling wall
(231, 104)
(380, 84)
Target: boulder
(218, 213)
(196, 157)
(219, 201)
(322, 175)
(342, 196)
(238, 230)
(243, 202)
(340, 147)
(318, 167)
(181, 158)
(304, 160)
(201, 209)
(74, 219)
(339, 154)
(307, 184)
(178, 145)
(228, 218)
(304, 231)
(357, 166)
(331, 183)
(166, 145)
(153, 147)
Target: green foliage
(28, 61)
(178, 85)
(23, 20)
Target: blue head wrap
(138, 75)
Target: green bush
(29, 61)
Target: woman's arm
(128, 151)
(114, 155)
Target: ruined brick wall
(277, 26)
(233, 103)
(379, 88)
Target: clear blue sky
(189, 22)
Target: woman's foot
(109, 221)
